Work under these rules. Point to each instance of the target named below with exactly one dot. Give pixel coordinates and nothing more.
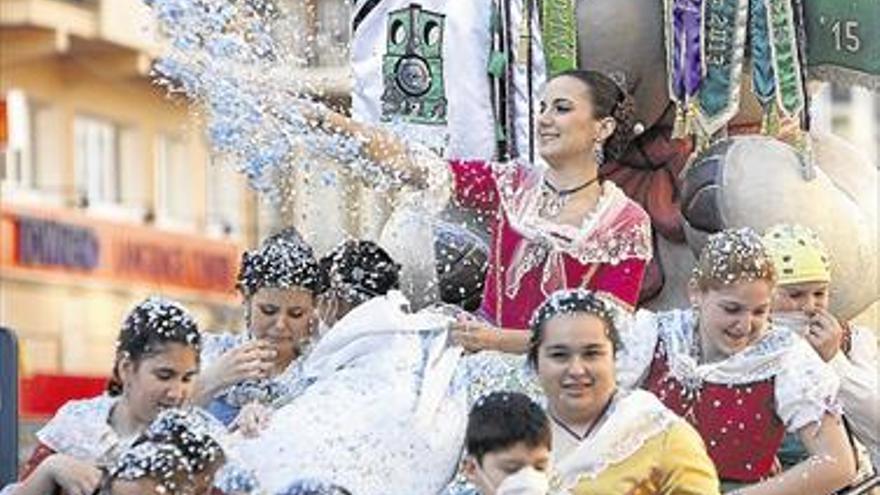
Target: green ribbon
(724, 40)
(559, 35)
(763, 78)
(786, 60)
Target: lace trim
(81, 429)
(805, 387)
(760, 361)
(604, 236)
(633, 420)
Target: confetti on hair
(313, 487)
(733, 256)
(161, 318)
(574, 301)
(281, 262)
(359, 270)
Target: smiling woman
(556, 225)
(739, 380)
(607, 440)
(156, 362)
(247, 373)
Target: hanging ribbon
(786, 59)
(683, 57)
(724, 39)
(559, 34)
(763, 77)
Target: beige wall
(70, 327)
(72, 86)
(64, 328)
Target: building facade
(108, 192)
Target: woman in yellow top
(607, 440)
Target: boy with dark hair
(508, 445)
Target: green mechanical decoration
(412, 67)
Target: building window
(31, 160)
(96, 159)
(174, 193)
(224, 199)
(133, 179)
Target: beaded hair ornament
(732, 256)
(572, 301)
(283, 261)
(360, 270)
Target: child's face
(807, 297)
(498, 465)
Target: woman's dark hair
(609, 100)
(282, 261)
(500, 420)
(359, 270)
(150, 326)
(569, 302)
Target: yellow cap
(798, 254)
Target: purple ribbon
(687, 63)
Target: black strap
(362, 13)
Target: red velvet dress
(742, 405)
(530, 258)
(738, 423)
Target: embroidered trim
(633, 419)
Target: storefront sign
(69, 243)
(48, 243)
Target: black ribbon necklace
(553, 199)
(581, 438)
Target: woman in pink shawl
(555, 224)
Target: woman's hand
(72, 475)
(475, 336)
(251, 360)
(252, 419)
(824, 334)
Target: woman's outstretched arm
(379, 145)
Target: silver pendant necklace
(553, 200)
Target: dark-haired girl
(157, 358)
(245, 374)
(556, 225)
(607, 440)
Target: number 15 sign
(843, 41)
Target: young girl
(740, 381)
(157, 358)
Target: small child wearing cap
(804, 274)
(508, 446)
